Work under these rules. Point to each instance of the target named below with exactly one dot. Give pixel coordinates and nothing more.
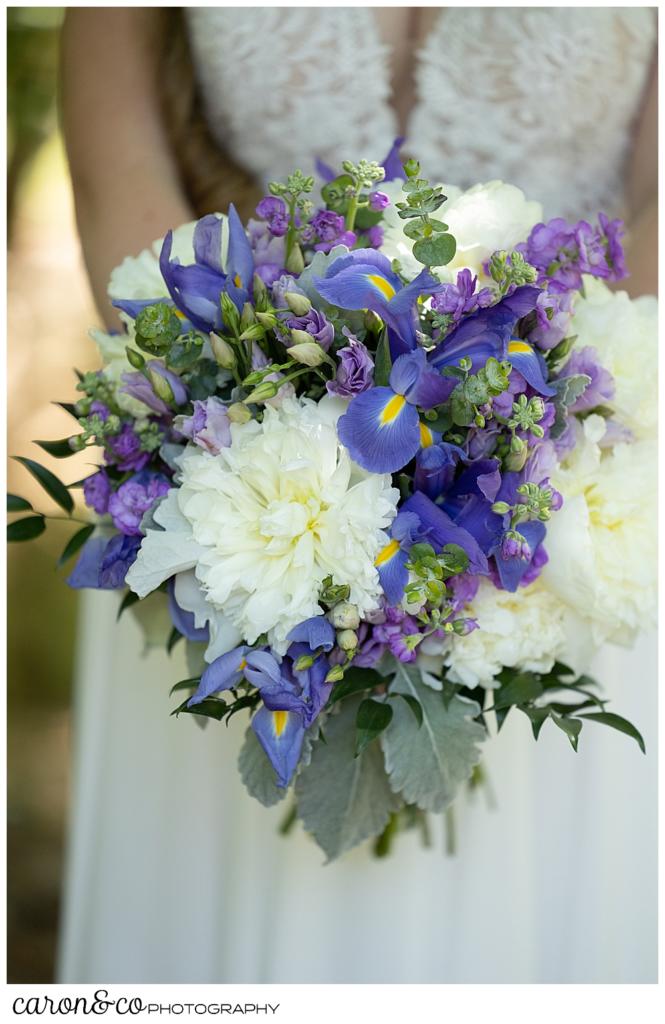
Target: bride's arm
(642, 196)
(126, 185)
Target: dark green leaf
(58, 449)
(520, 690)
(174, 636)
(414, 229)
(128, 600)
(415, 706)
(68, 407)
(53, 487)
(382, 361)
(185, 684)
(355, 681)
(211, 707)
(249, 701)
(26, 529)
(435, 251)
(619, 723)
(372, 718)
(16, 504)
(537, 717)
(571, 726)
(75, 542)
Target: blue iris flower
(420, 520)
(292, 698)
(381, 427)
(364, 279)
(490, 332)
(196, 289)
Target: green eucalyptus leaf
(618, 723)
(75, 542)
(53, 487)
(25, 529)
(343, 799)
(17, 504)
(435, 251)
(414, 229)
(373, 717)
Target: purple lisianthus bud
(133, 499)
(612, 232)
(99, 409)
(514, 545)
(602, 387)
(119, 555)
(317, 325)
(273, 210)
(208, 427)
(281, 286)
(355, 372)
(378, 201)
(124, 450)
(137, 386)
(375, 236)
(97, 491)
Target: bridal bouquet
(387, 457)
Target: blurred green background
(49, 312)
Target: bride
(174, 873)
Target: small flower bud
(372, 322)
(304, 662)
(347, 640)
(77, 444)
(238, 413)
(298, 304)
(265, 391)
(515, 461)
(412, 168)
(517, 445)
(501, 508)
(295, 263)
(336, 673)
(254, 332)
(247, 317)
(345, 616)
(267, 320)
(222, 351)
(134, 358)
(309, 353)
(537, 408)
(161, 387)
(259, 288)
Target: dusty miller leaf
(343, 799)
(427, 764)
(257, 772)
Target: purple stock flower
(137, 386)
(378, 201)
(514, 545)
(355, 372)
(461, 298)
(328, 225)
(375, 236)
(395, 633)
(97, 491)
(563, 252)
(554, 311)
(600, 390)
(124, 450)
(317, 325)
(98, 408)
(613, 232)
(208, 427)
(133, 499)
(273, 210)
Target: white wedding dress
(174, 873)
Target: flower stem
(383, 844)
(451, 832)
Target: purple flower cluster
(272, 209)
(208, 427)
(326, 229)
(563, 252)
(461, 298)
(316, 324)
(134, 498)
(124, 450)
(355, 372)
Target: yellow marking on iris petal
(387, 553)
(243, 665)
(279, 720)
(384, 286)
(518, 347)
(391, 411)
(237, 281)
(181, 316)
(426, 436)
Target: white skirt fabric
(176, 875)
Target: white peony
(625, 334)
(482, 219)
(266, 520)
(528, 630)
(602, 543)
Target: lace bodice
(545, 98)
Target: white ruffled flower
(602, 544)
(265, 521)
(482, 220)
(527, 630)
(624, 332)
